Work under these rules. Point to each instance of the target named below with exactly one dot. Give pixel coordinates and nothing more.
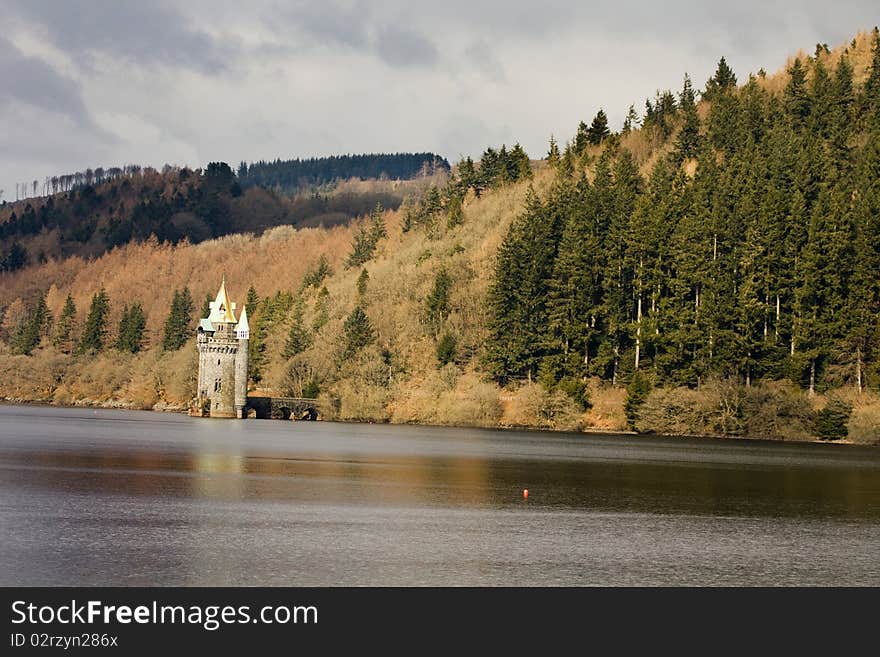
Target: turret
(243, 335)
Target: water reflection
(140, 498)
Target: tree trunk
(812, 377)
(616, 360)
(638, 332)
(776, 328)
(859, 369)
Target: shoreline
(171, 408)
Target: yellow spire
(222, 308)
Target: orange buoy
(525, 493)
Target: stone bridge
(283, 408)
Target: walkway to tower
(283, 408)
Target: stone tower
(223, 359)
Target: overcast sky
(109, 82)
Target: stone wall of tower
(217, 357)
(241, 377)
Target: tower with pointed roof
(223, 359)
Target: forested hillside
(296, 175)
(712, 268)
(90, 212)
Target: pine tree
(631, 122)
(178, 325)
(598, 130)
(797, 100)
(553, 152)
(322, 310)
(64, 329)
(437, 302)
(357, 332)
(446, 349)
(377, 224)
(362, 281)
(205, 310)
(688, 143)
(131, 329)
(518, 295)
(251, 301)
(36, 323)
(721, 83)
(95, 327)
(298, 338)
(581, 139)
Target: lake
(103, 497)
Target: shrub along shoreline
(161, 381)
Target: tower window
(218, 385)
(218, 361)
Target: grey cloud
(31, 81)
(359, 28)
(139, 32)
(481, 56)
(329, 23)
(404, 48)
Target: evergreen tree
(298, 338)
(64, 329)
(131, 329)
(581, 139)
(631, 122)
(28, 333)
(688, 143)
(553, 152)
(446, 349)
(357, 332)
(251, 301)
(322, 310)
(598, 130)
(636, 395)
(518, 295)
(95, 327)
(205, 310)
(437, 302)
(178, 325)
(797, 100)
(362, 281)
(721, 83)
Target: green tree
(518, 294)
(362, 282)
(437, 301)
(446, 349)
(178, 325)
(298, 338)
(553, 152)
(26, 336)
(688, 142)
(721, 83)
(95, 327)
(63, 338)
(357, 332)
(131, 329)
(831, 422)
(251, 301)
(636, 395)
(322, 310)
(598, 131)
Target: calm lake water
(98, 497)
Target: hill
(709, 269)
(90, 212)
